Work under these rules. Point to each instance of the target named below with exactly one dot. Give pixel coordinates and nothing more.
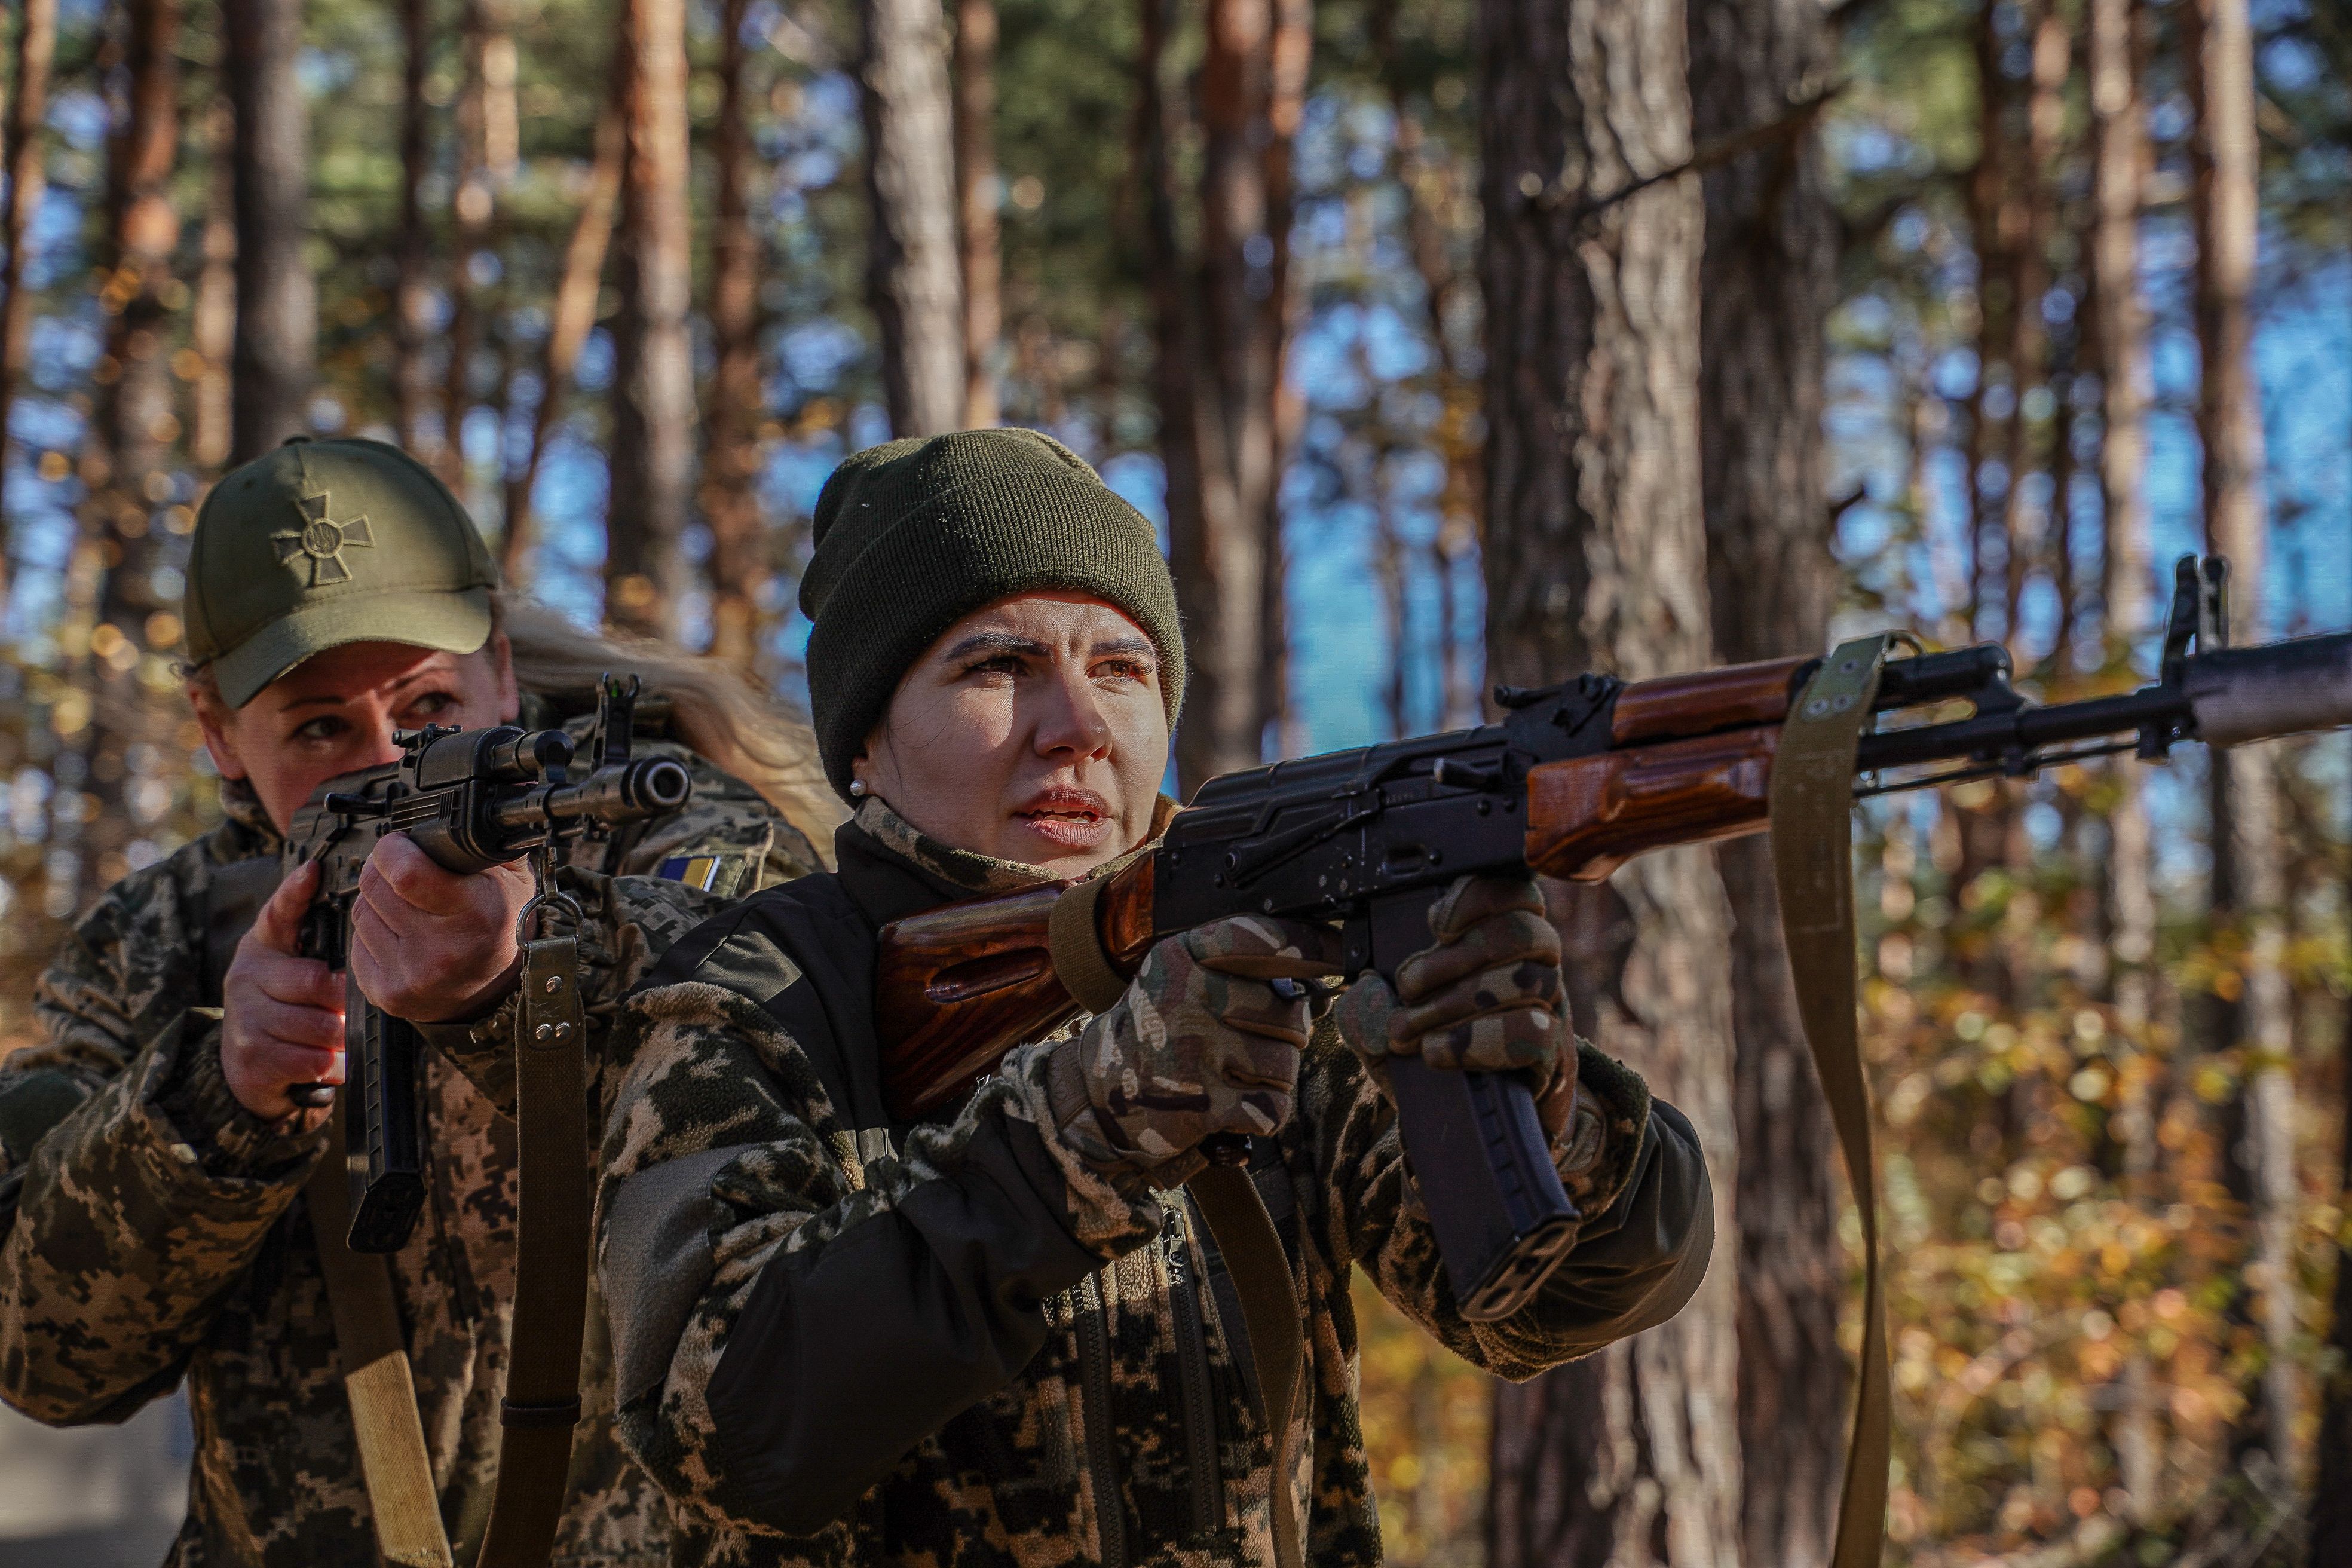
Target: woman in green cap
(154, 1229)
(1007, 1337)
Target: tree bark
(1768, 277)
(731, 464)
(2331, 1502)
(134, 420)
(473, 204)
(1224, 530)
(653, 410)
(2248, 878)
(1596, 559)
(2128, 917)
(978, 190)
(572, 316)
(22, 163)
(913, 261)
(277, 344)
(412, 323)
(212, 326)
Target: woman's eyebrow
(1110, 647)
(997, 642)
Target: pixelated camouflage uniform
(156, 1230)
(840, 1339)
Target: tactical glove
(1204, 1041)
(1485, 994)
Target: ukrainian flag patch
(700, 871)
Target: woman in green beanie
(1007, 1337)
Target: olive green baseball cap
(322, 543)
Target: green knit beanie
(913, 536)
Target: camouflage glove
(1486, 995)
(1204, 1042)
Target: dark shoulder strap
(803, 951)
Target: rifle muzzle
(2244, 694)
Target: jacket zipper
(1192, 1370)
(1094, 1395)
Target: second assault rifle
(470, 799)
(1576, 780)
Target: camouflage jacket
(154, 1229)
(840, 1339)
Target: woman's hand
(1204, 1041)
(434, 946)
(281, 1015)
(1485, 995)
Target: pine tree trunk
(653, 409)
(212, 324)
(2331, 1502)
(2248, 877)
(1224, 532)
(412, 323)
(276, 353)
(1768, 280)
(134, 419)
(913, 263)
(978, 189)
(22, 160)
(473, 203)
(571, 317)
(2128, 917)
(731, 463)
(1596, 559)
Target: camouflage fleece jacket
(845, 1339)
(154, 1229)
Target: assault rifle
(471, 799)
(1576, 780)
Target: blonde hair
(714, 710)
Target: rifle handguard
(1079, 962)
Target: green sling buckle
(1813, 848)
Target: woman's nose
(1073, 719)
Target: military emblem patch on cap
(320, 540)
(323, 544)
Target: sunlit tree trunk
(412, 323)
(134, 418)
(473, 204)
(2129, 895)
(2248, 878)
(1596, 559)
(212, 325)
(730, 462)
(571, 317)
(978, 192)
(1223, 527)
(914, 263)
(276, 352)
(22, 157)
(2033, 191)
(653, 405)
(1767, 279)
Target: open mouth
(1071, 816)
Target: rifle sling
(542, 1395)
(394, 1464)
(1244, 1233)
(1813, 848)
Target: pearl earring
(857, 787)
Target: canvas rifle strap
(1235, 1211)
(543, 1394)
(393, 1461)
(1244, 1233)
(1813, 848)
(542, 1397)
